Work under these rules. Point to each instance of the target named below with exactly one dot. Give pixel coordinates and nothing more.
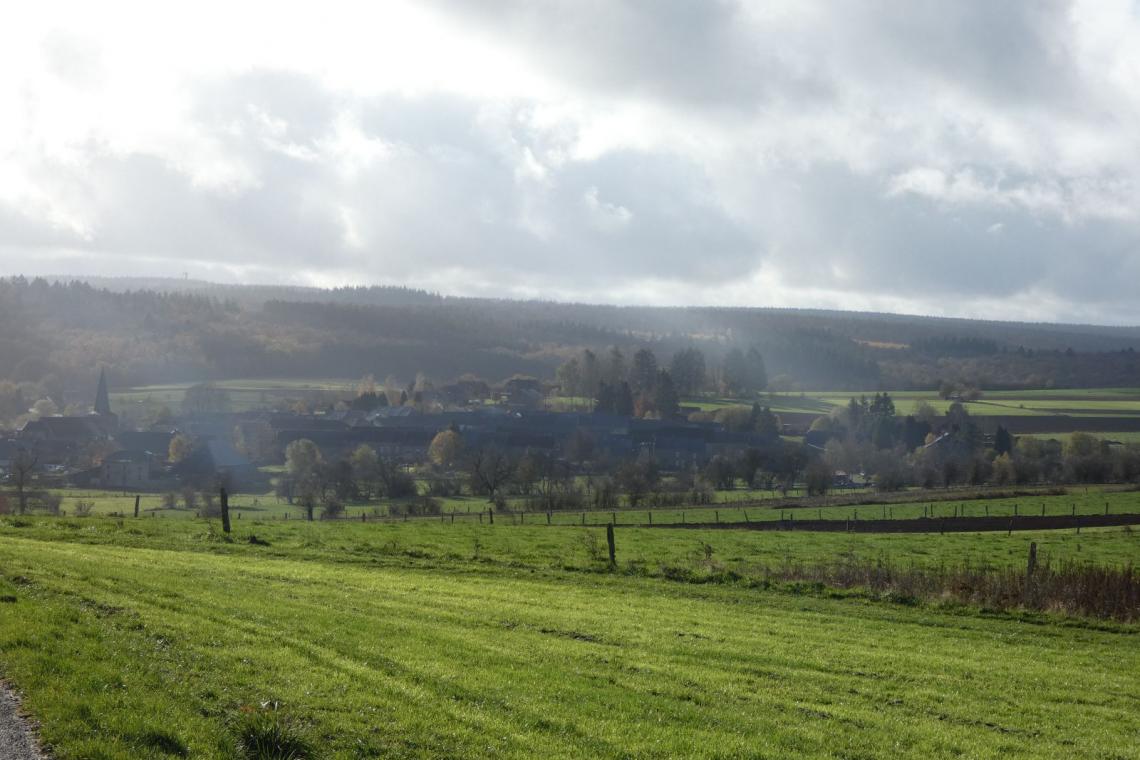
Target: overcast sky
(972, 158)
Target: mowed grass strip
(150, 653)
(641, 551)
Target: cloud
(968, 158)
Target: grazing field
(729, 506)
(243, 394)
(149, 638)
(1076, 402)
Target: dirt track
(16, 738)
(923, 524)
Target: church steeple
(102, 399)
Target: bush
(400, 485)
(424, 506)
(47, 501)
(84, 508)
(333, 510)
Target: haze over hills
(167, 330)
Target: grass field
(244, 394)
(1084, 402)
(727, 508)
(157, 638)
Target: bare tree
(23, 466)
(491, 470)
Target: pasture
(1080, 402)
(158, 637)
(728, 506)
(244, 394)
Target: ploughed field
(165, 638)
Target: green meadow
(151, 637)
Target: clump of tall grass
(1069, 588)
(270, 735)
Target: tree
(763, 421)
(720, 473)
(590, 374)
(643, 373)
(688, 371)
(1004, 472)
(817, 477)
(636, 477)
(615, 367)
(734, 373)
(1087, 458)
(256, 440)
(756, 374)
(569, 377)
(20, 473)
(181, 446)
(1003, 441)
(365, 464)
(490, 471)
(445, 448)
(304, 463)
(665, 396)
(580, 446)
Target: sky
(968, 158)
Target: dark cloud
(958, 158)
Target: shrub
(333, 510)
(47, 501)
(84, 508)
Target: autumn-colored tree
(445, 448)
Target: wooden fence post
(1032, 565)
(491, 514)
(650, 513)
(610, 541)
(225, 498)
(716, 512)
(137, 506)
(548, 518)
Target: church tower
(102, 399)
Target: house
(7, 452)
(59, 438)
(216, 459)
(131, 470)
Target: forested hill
(148, 331)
